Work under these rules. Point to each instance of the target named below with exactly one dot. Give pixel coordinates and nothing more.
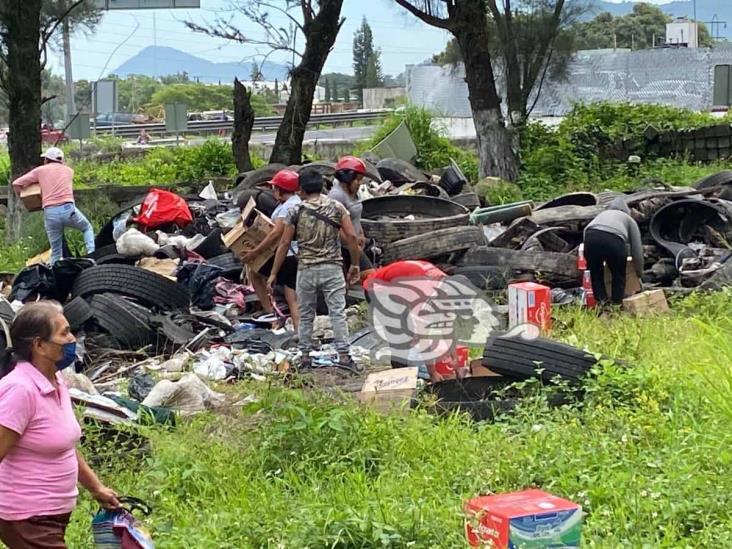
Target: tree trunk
(469, 25)
(23, 26)
(320, 34)
(243, 124)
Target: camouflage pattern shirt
(317, 240)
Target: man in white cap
(57, 195)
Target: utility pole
(70, 102)
(155, 45)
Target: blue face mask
(69, 356)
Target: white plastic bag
(188, 396)
(133, 243)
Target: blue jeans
(57, 218)
(328, 279)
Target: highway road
(332, 134)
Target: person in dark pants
(607, 240)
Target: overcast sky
(122, 34)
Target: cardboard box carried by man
(249, 231)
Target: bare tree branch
(430, 19)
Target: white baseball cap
(54, 153)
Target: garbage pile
(162, 306)
(686, 234)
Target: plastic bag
(119, 225)
(134, 243)
(119, 529)
(228, 219)
(162, 208)
(189, 395)
(140, 386)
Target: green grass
(647, 455)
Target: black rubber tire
(104, 251)
(470, 200)
(121, 320)
(118, 259)
(149, 288)
(716, 179)
(211, 246)
(431, 214)
(77, 312)
(228, 262)
(523, 359)
(485, 277)
(434, 244)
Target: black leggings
(602, 247)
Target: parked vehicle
(118, 119)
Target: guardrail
(262, 123)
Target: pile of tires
(118, 302)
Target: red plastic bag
(404, 269)
(163, 208)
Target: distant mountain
(163, 61)
(706, 10)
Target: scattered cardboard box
(43, 257)
(530, 303)
(164, 267)
(389, 389)
(478, 370)
(31, 198)
(632, 282)
(249, 231)
(530, 518)
(650, 301)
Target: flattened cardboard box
(650, 301)
(249, 231)
(389, 389)
(31, 198)
(632, 283)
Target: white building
(682, 33)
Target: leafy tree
(374, 78)
(319, 23)
(337, 82)
(327, 90)
(180, 78)
(366, 60)
(450, 55)
(640, 29)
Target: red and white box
(530, 303)
(530, 519)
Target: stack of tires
(120, 301)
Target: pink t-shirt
(39, 474)
(56, 181)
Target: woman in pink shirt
(39, 463)
(57, 196)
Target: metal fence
(680, 77)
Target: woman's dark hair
(346, 176)
(34, 320)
